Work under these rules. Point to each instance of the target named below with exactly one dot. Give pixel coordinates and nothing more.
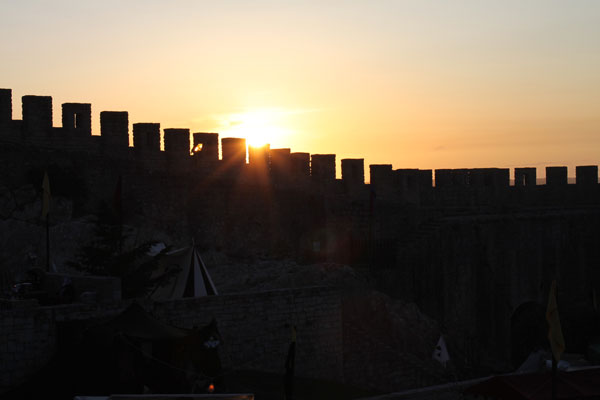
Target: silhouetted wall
(280, 164)
(234, 152)
(146, 137)
(5, 106)
(114, 130)
(322, 168)
(556, 176)
(210, 146)
(300, 164)
(77, 119)
(525, 177)
(586, 175)
(353, 171)
(37, 116)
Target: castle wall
(37, 116)
(556, 176)
(586, 175)
(77, 119)
(259, 156)
(234, 151)
(353, 172)
(525, 176)
(381, 176)
(210, 147)
(300, 165)
(408, 185)
(453, 188)
(280, 165)
(114, 130)
(5, 107)
(253, 327)
(481, 268)
(146, 137)
(322, 168)
(177, 143)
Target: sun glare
(259, 127)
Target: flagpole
(554, 362)
(48, 242)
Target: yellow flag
(557, 342)
(45, 196)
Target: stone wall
(253, 327)
(471, 273)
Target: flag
(555, 336)
(45, 196)
(440, 353)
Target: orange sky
(418, 84)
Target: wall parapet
(276, 165)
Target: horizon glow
(416, 84)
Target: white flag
(441, 352)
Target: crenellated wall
(37, 116)
(454, 186)
(5, 106)
(114, 130)
(353, 171)
(146, 137)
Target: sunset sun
(258, 127)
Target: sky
(416, 84)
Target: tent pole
(554, 369)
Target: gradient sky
(418, 84)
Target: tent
(580, 384)
(133, 349)
(191, 276)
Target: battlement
(233, 151)
(556, 176)
(5, 106)
(525, 177)
(146, 137)
(353, 171)
(258, 156)
(280, 164)
(37, 116)
(182, 155)
(177, 142)
(114, 129)
(206, 146)
(586, 175)
(322, 168)
(77, 119)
